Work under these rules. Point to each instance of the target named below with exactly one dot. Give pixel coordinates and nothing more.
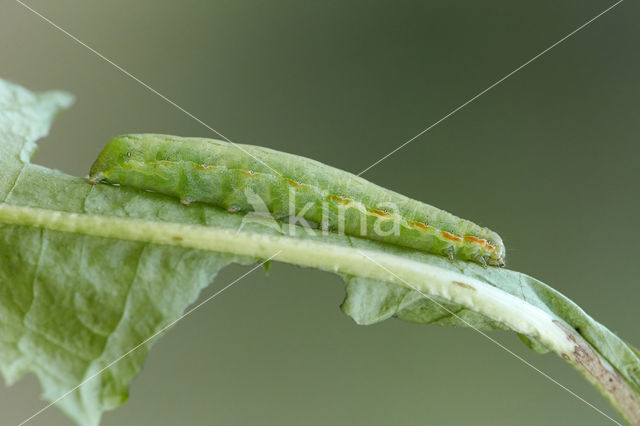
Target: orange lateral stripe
(450, 236)
(340, 199)
(294, 183)
(420, 225)
(378, 212)
(248, 173)
(474, 239)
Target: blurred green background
(548, 159)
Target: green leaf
(370, 301)
(71, 304)
(89, 273)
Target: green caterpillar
(221, 173)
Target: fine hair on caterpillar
(303, 192)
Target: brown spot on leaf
(595, 367)
(566, 330)
(463, 285)
(176, 238)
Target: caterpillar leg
(449, 252)
(482, 260)
(186, 201)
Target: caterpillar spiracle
(219, 173)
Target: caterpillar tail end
(497, 255)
